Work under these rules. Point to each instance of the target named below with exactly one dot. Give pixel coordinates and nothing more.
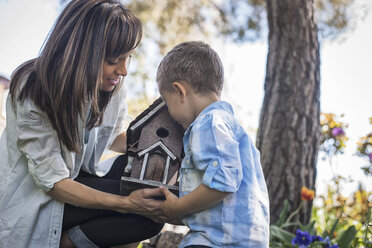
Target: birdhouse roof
(158, 144)
(147, 114)
(153, 125)
(134, 129)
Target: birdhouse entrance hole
(162, 132)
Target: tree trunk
(289, 129)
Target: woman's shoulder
(26, 109)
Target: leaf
(330, 234)
(281, 245)
(347, 237)
(301, 226)
(281, 234)
(294, 212)
(288, 224)
(283, 214)
(309, 227)
(368, 218)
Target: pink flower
(337, 131)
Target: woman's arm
(120, 143)
(138, 202)
(199, 199)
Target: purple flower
(316, 238)
(337, 131)
(303, 239)
(328, 243)
(370, 156)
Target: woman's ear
(181, 89)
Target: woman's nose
(121, 69)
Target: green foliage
(279, 237)
(165, 24)
(340, 220)
(281, 234)
(242, 20)
(334, 17)
(169, 22)
(344, 220)
(364, 149)
(345, 240)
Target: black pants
(108, 228)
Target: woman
(64, 108)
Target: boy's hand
(199, 199)
(171, 206)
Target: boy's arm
(199, 199)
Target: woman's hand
(142, 202)
(138, 202)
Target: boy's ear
(180, 88)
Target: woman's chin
(107, 88)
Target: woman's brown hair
(65, 79)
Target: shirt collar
(215, 105)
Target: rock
(165, 239)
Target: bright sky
(346, 84)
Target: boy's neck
(201, 101)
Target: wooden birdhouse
(155, 152)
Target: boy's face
(179, 110)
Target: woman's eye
(110, 62)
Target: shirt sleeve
(38, 140)
(215, 150)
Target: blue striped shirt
(220, 154)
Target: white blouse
(32, 160)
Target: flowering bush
(336, 221)
(335, 214)
(337, 233)
(333, 138)
(364, 149)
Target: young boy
(223, 195)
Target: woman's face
(113, 69)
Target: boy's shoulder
(217, 115)
(217, 110)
